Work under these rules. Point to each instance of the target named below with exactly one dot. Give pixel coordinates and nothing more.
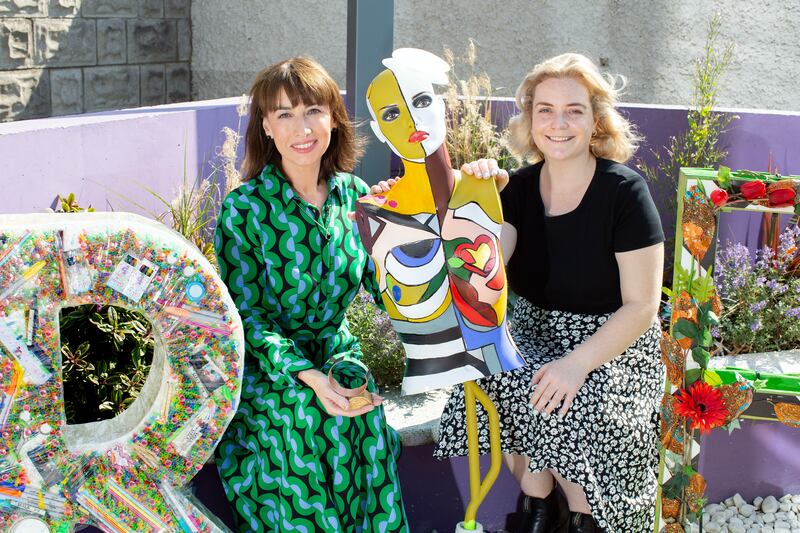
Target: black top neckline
(600, 166)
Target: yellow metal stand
(477, 488)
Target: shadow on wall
(62, 57)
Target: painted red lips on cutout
(418, 136)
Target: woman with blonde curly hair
(584, 247)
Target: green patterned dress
(285, 464)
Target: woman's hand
(380, 188)
(487, 168)
(384, 186)
(556, 381)
(334, 403)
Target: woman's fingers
(482, 168)
(501, 180)
(383, 186)
(540, 384)
(566, 405)
(548, 391)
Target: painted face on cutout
(406, 113)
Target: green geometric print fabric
(285, 464)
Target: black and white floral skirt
(607, 442)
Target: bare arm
(508, 241)
(640, 283)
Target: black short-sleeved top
(566, 262)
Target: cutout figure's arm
(242, 268)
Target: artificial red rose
(781, 197)
(781, 193)
(752, 190)
(719, 197)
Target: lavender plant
(382, 351)
(761, 298)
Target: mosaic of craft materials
(126, 474)
(697, 397)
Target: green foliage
(106, 354)
(698, 146)
(69, 204)
(381, 349)
(471, 131)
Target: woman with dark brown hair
(300, 456)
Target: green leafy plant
(381, 350)
(471, 129)
(106, 354)
(698, 146)
(69, 204)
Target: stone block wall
(60, 57)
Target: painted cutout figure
(434, 237)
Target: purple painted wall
(110, 159)
(106, 156)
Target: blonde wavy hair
(614, 137)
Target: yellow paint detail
(500, 305)
(412, 194)
(383, 92)
(410, 294)
(394, 314)
(470, 189)
(481, 255)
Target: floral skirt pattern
(607, 442)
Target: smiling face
(562, 119)
(407, 114)
(301, 133)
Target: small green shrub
(106, 352)
(698, 146)
(381, 349)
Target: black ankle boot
(545, 515)
(583, 523)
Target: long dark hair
(303, 79)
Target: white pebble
(769, 505)
(747, 510)
(769, 518)
(738, 501)
(757, 502)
